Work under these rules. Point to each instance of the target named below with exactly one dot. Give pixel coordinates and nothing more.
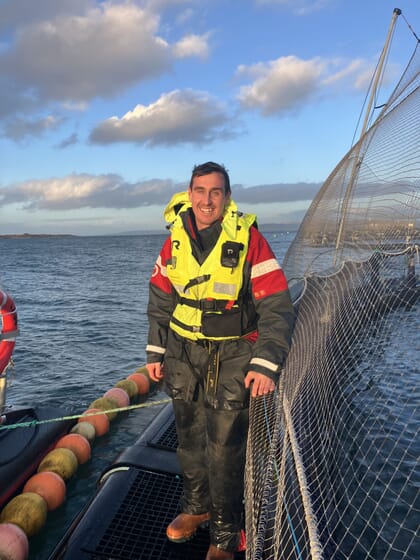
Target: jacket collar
(180, 203)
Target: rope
(83, 415)
(282, 477)
(311, 521)
(410, 28)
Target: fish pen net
(332, 455)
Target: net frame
(332, 467)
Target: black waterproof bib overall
(206, 381)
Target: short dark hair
(210, 167)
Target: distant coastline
(27, 235)
(265, 228)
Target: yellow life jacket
(209, 305)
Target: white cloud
(280, 85)
(19, 128)
(176, 117)
(279, 192)
(298, 7)
(192, 45)
(163, 4)
(19, 12)
(355, 73)
(286, 84)
(69, 141)
(83, 191)
(77, 57)
(59, 56)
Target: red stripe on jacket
(159, 277)
(259, 252)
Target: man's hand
(261, 384)
(155, 371)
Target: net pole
(357, 162)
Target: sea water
(81, 305)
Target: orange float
(50, 486)
(9, 329)
(142, 382)
(119, 395)
(76, 443)
(98, 419)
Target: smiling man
(208, 199)
(220, 326)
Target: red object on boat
(9, 330)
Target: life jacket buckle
(208, 305)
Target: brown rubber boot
(215, 553)
(184, 527)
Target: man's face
(208, 198)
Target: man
(220, 319)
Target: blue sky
(105, 106)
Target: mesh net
(332, 454)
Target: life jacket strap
(190, 328)
(196, 281)
(208, 304)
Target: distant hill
(261, 227)
(162, 231)
(278, 227)
(29, 235)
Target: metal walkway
(136, 499)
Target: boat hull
(137, 497)
(22, 448)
